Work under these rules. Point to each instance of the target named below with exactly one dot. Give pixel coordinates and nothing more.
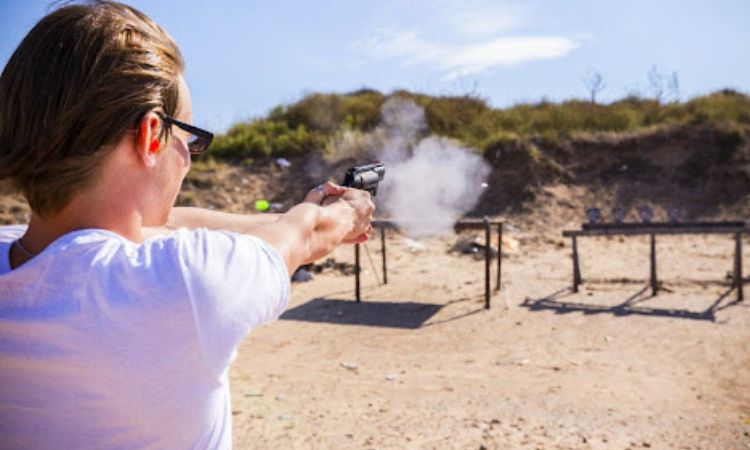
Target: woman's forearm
(190, 217)
(302, 235)
(308, 232)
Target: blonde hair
(81, 78)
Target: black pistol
(365, 177)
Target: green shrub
(328, 112)
(722, 106)
(318, 120)
(264, 138)
(533, 151)
(500, 139)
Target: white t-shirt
(105, 343)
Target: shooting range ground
(413, 366)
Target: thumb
(330, 188)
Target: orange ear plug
(154, 146)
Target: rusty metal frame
(474, 224)
(736, 228)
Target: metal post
(382, 252)
(499, 255)
(356, 272)
(654, 283)
(738, 265)
(576, 268)
(487, 262)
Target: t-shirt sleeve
(234, 282)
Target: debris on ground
(330, 264)
(511, 228)
(471, 245)
(276, 207)
(414, 246)
(302, 275)
(510, 245)
(283, 163)
(349, 365)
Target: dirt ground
(420, 364)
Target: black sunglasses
(197, 141)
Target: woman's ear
(147, 143)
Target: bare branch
(594, 84)
(656, 83)
(673, 87)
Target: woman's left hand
(321, 191)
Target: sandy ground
(421, 364)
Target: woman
(119, 314)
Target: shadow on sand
(409, 315)
(632, 305)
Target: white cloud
(507, 51)
(458, 38)
(395, 44)
(480, 17)
(455, 60)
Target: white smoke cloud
(402, 122)
(430, 182)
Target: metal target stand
(471, 224)
(736, 228)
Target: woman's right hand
(310, 231)
(362, 209)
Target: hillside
(549, 161)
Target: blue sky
(245, 57)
